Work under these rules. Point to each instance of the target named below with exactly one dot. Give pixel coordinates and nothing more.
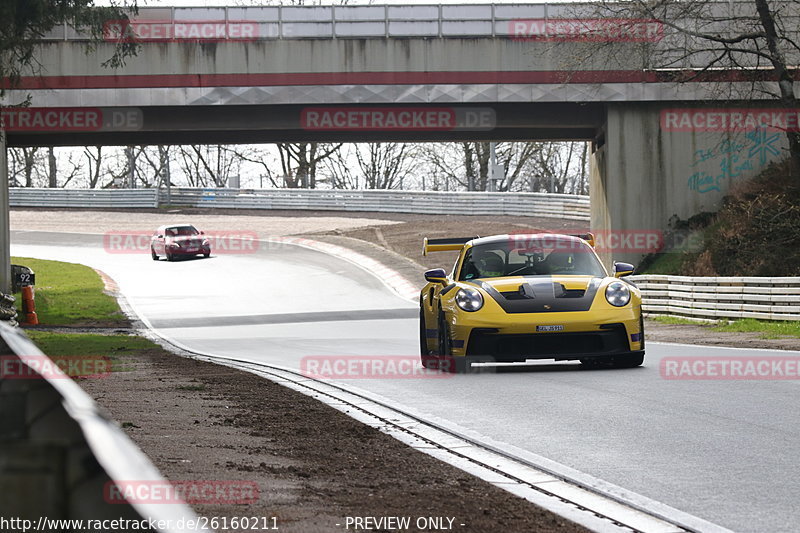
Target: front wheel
(170, 257)
(428, 361)
(207, 254)
(452, 364)
(631, 360)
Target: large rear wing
(456, 243)
(588, 237)
(444, 245)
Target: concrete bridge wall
(645, 174)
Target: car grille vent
(570, 293)
(514, 295)
(560, 291)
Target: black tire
(170, 257)
(207, 254)
(428, 361)
(631, 360)
(641, 328)
(452, 364)
(153, 254)
(628, 360)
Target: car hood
(542, 294)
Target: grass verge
(116, 347)
(68, 294)
(768, 329)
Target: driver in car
(489, 265)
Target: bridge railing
(573, 21)
(325, 22)
(720, 297)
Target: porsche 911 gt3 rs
(533, 296)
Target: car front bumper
(586, 334)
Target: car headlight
(618, 294)
(469, 299)
(205, 242)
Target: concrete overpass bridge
(411, 72)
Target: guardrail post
(5, 235)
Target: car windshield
(181, 231)
(531, 256)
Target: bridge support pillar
(644, 174)
(5, 236)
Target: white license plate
(549, 328)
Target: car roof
(165, 226)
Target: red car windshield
(181, 231)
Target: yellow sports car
(533, 296)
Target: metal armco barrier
(720, 297)
(120, 198)
(566, 206)
(58, 451)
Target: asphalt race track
(725, 451)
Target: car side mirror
(623, 269)
(202, 233)
(160, 236)
(436, 275)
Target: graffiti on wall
(732, 158)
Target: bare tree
(158, 160)
(94, 156)
(60, 178)
(533, 166)
(301, 161)
(757, 40)
(23, 165)
(208, 165)
(372, 166)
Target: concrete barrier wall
(648, 173)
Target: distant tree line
(457, 166)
